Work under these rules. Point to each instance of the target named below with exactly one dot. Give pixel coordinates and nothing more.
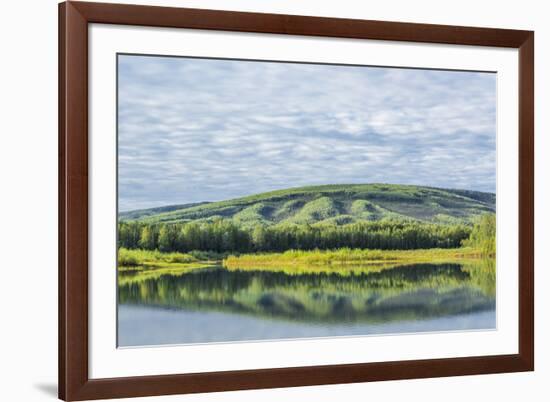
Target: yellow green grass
(135, 260)
(346, 257)
(344, 261)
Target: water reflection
(403, 293)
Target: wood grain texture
(74, 382)
(526, 201)
(73, 201)
(298, 25)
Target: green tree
(168, 236)
(483, 235)
(149, 237)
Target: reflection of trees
(405, 292)
(482, 274)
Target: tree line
(224, 235)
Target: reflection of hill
(406, 292)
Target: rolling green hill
(142, 213)
(337, 204)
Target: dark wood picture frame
(74, 382)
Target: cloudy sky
(206, 130)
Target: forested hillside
(371, 216)
(334, 204)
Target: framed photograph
(259, 200)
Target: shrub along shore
(158, 259)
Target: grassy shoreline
(137, 260)
(344, 257)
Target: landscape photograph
(262, 200)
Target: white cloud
(194, 130)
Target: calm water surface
(220, 305)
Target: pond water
(220, 305)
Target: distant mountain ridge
(141, 213)
(336, 204)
